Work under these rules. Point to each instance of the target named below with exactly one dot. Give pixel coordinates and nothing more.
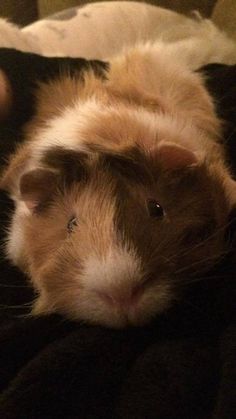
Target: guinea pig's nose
(122, 300)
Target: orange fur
(117, 249)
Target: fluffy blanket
(182, 366)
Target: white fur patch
(64, 130)
(67, 129)
(119, 270)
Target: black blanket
(182, 366)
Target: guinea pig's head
(108, 235)
(111, 237)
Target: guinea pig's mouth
(121, 304)
(128, 306)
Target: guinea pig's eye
(71, 224)
(155, 209)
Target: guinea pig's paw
(5, 95)
(174, 157)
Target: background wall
(20, 11)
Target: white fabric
(99, 30)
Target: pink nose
(122, 300)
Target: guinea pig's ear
(172, 156)
(37, 187)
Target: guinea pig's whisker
(21, 306)
(6, 213)
(193, 280)
(2, 250)
(191, 249)
(14, 286)
(195, 264)
(226, 141)
(197, 308)
(22, 316)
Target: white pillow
(98, 30)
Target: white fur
(67, 129)
(171, 59)
(119, 269)
(64, 130)
(105, 296)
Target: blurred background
(24, 12)
(27, 11)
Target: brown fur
(130, 84)
(116, 214)
(120, 265)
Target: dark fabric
(182, 366)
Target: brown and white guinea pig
(121, 190)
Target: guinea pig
(121, 189)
